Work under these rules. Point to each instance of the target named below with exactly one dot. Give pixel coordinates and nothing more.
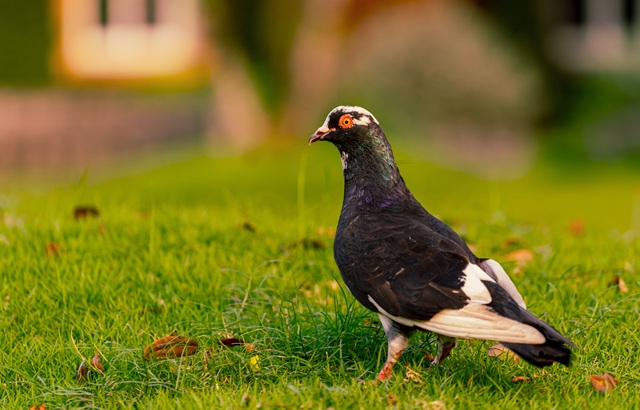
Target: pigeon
(412, 269)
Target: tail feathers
(542, 355)
(554, 349)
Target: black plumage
(411, 268)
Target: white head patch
(364, 118)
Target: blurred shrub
(438, 64)
(25, 41)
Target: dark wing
(409, 269)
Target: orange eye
(345, 121)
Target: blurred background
(485, 86)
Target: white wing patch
(504, 281)
(475, 320)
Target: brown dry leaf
(96, 363)
(82, 372)
(498, 350)
(42, 406)
(234, 341)
(325, 231)
(620, 283)
(521, 257)
(429, 356)
(412, 375)
(305, 243)
(512, 242)
(171, 346)
(518, 379)
(85, 211)
(431, 405)
(85, 372)
(52, 248)
(603, 382)
(248, 226)
(576, 227)
(309, 243)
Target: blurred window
(130, 38)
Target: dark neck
(371, 177)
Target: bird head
(346, 125)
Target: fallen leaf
(431, 405)
(171, 346)
(248, 226)
(498, 350)
(85, 371)
(620, 283)
(512, 242)
(576, 227)
(308, 243)
(325, 231)
(85, 211)
(233, 341)
(82, 372)
(521, 257)
(305, 243)
(603, 382)
(42, 406)
(96, 363)
(518, 379)
(52, 248)
(429, 356)
(412, 375)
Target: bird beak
(320, 134)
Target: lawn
(219, 248)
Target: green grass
(212, 248)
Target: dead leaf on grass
(234, 341)
(96, 363)
(42, 406)
(521, 257)
(52, 248)
(85, 371)
(518, 379)
(305, 243)
(326, 231)
(171, 346)
(620, 283)
(85, 211)
(603, 382)
(576, 227)
(412, 376)
(498, 350)
(82, 372)
(248, 226)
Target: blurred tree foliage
(262, 34)
(25, 42)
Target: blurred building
(115, 78)
(594, 34)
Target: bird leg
(445, 345)
(398, 338)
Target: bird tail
(554, 349)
